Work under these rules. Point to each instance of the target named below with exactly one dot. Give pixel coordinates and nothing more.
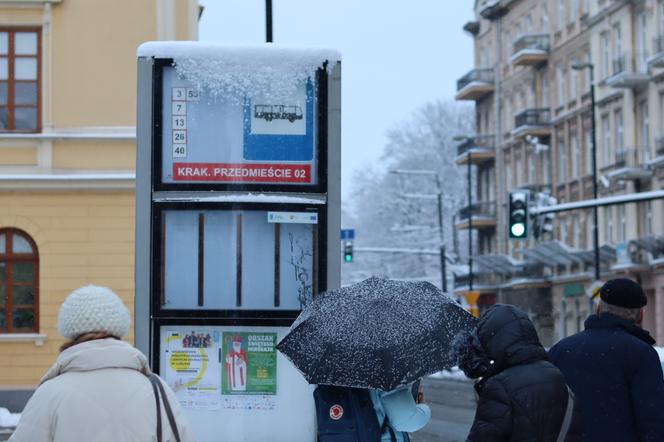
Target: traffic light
(544, 222)
(348, 252)
(518, 214)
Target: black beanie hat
(623, 292)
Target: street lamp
(439, 198)
(578, 66)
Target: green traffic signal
(518, 230)
(348, 258)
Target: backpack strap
(156, 384)
(567, 420)
(156, 397)
(386, 426)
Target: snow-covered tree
(383, 208)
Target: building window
(576, 158)
(622, 232)
(644, 130)
(561, 15)
(544, 18)
(648, 217)
(618, 120)
(617, 40)
(561, 85)
(609, 224)
(589, 153)
(562, 162)
(604, 45)
(574, 90)
(19, 80)
(574, 8)
(19, 282)
(606, 128)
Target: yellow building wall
(88, 79)
(83, 238)
(94, 155)
(18, 156)
(94, 60)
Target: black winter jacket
(522, 397)
(617, 378)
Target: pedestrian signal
(518, 214)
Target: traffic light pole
(593, 134)
(443, 265)
(470, 226)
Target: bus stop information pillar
(237, 223)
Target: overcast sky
(396, 56)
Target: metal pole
(443, 272)
(268, 21)
(470, 227)
(594, 155)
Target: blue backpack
(347, 415)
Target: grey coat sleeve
(493, 418)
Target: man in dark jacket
(613, 369)
(522, 396)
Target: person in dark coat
(522, 396)
(613, 369)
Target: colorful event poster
(250, 363)
(192, 368)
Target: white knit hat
(93, 309)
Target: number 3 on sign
(179, 150)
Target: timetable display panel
(238, 259)
(217, 139)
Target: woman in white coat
(98, 390)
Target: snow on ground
(8, 419)
(456, 374)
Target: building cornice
(67, 181)
(83, 134)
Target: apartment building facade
(67, 160)
(533, 124)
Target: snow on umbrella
(376, 334)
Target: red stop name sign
(253, 173)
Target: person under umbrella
(522, 396)
(377, 334)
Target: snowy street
(452, 405)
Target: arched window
(19, 282)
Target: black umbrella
(376, 334)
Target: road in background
(452, 405)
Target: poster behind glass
(238, 259)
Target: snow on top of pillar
(242, 71)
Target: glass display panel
(238, 259)
(224, 139)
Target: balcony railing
(486, 142)
(532, 42)
(628, 62)
(533, 117)
(479, 279)
(631, 163)
(657, 60)
(659, 145)
(476, 75)
(632, 157)
(483, 209)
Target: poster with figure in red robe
(250, 363)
